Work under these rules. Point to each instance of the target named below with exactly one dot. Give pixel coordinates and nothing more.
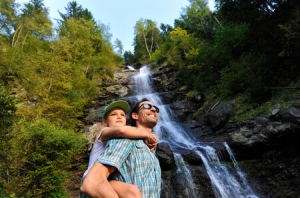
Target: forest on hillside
(49, 73)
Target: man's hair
(135, 109)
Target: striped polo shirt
(135, 163)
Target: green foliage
(43, 155)
(118, 46)
(197, 20)
(284, 97)
(73, 10)
(53, 79)
(243, 48)
(62, 76)
(128, 58)
(146, 40)
(179, 49)
(230, 41)
(7, 108)
(243, 75)
(7, 119)
(291, 43)
(35, 19)
(86, 45)
(8, 9)
(165, 29)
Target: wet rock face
(266, 147)
(118, 87)
(175, 185)
(258, 135)
(275, 173)
(219, 115)
(291, 115)
(165, 156)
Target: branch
(282, 87)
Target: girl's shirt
(97, 149)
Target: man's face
(147, 115)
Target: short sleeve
(116, 152)
(99, 134)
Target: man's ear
(134, 115)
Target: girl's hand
(151, 141)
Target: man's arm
(96, 179)
(95, 183)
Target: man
(128, 160)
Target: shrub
(43, 155)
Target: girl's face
(115, 117)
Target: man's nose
(152, 109)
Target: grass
(281, 97)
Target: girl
(114, 126)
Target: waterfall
(226, 181)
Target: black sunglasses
(149, 106)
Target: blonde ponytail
(93, 132)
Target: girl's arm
(122, 131)
(129, 132)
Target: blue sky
(122, 15)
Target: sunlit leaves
(147, 39)
(118, 46)
(43, 158)
(7, 119)
(52, 79)
(197, 20)
(8, 16)
(35, 20)
(177, 49)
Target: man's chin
(152, 124)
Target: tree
(32, 30)
(177, 49)
(75, 11)
(290, 40)
(165, 29)
(147, 40)
(80, 25)
(43, 156)
(197, 20)
(118, 46)
(35, 19)
(7, 120)
(8, 17)
(129, 58)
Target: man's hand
(151, 141)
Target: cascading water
(224, 182)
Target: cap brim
(118, 104)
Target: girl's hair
(92, 133)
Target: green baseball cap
(116, 104)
